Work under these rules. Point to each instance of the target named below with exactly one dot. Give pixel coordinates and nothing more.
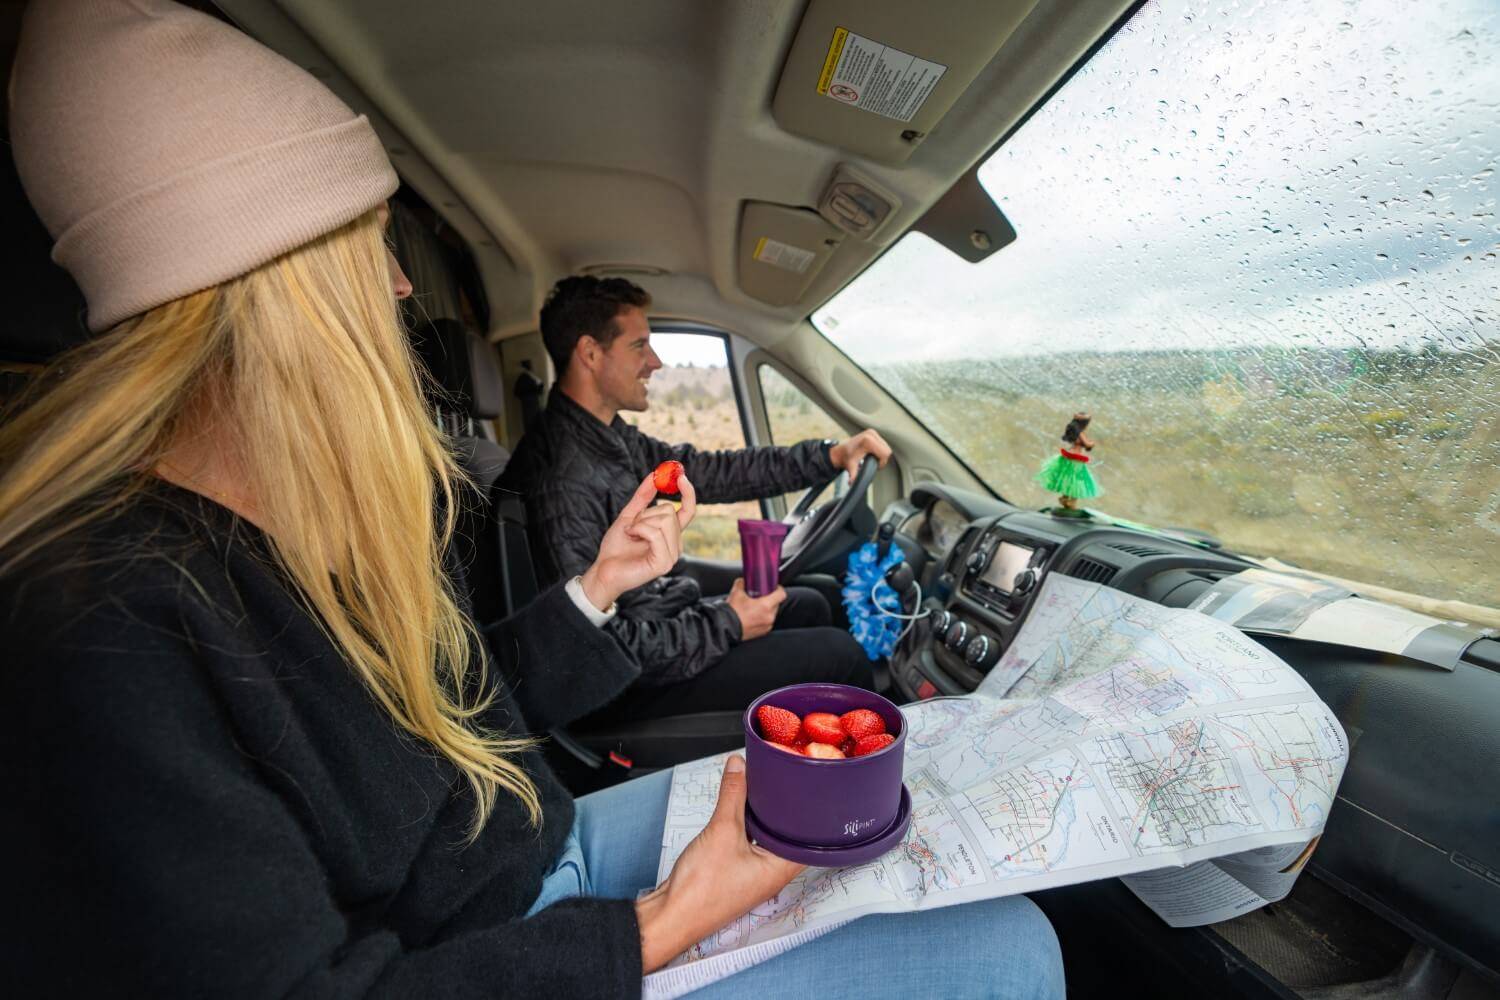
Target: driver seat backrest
(513, 584)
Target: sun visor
(782, 249)
(875, 76)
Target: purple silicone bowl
(824, 803)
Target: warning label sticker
(865, 74)
(783, 255)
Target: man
(577, 467)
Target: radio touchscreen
(1008, 562)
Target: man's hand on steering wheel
(847, 454)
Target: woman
(254, 746)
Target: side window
(793, 416)
(692, 399)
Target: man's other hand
(757, 614)
(849, 453)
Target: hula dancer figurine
(1067, 473)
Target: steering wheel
(812, 526)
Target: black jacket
(201, 799)
(577, 474)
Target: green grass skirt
(1068, 478)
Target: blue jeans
(996, 948)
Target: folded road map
(1300, 607)
(1116, 737)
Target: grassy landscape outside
(1378, 466)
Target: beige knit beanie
(168, 152)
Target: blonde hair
(304, 365)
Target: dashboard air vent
(956, 556)
(1092, 570)
(1141, 551)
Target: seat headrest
(464, 366)
(44, 314)
(487, 387)
(442, 344)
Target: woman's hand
(644, 542)
(719, 877)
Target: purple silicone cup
(824, 803)
(760, 555)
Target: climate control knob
(957, 637)
(941, 621)
(982, 652)
(1025, 583)
(975, 562)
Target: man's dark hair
(585, 306)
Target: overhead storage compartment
(875, 76)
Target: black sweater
(576, 475)
(202, 799)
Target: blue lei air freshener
(867, 596)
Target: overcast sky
(1277, 172)
(689, 349)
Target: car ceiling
(566, 135)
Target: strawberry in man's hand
(870, 744)
(861, 722)
(665, 477)
(823, 727)
(777, 725)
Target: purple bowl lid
(834, 857)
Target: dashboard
(980, 562)
(942, 526)
(1407, 839)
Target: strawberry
(824, 751)
(777, 725)
(823, 727)
(796, 750)
(665, 477)
(862, 722)
(870, 744)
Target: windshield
(1258, 243)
